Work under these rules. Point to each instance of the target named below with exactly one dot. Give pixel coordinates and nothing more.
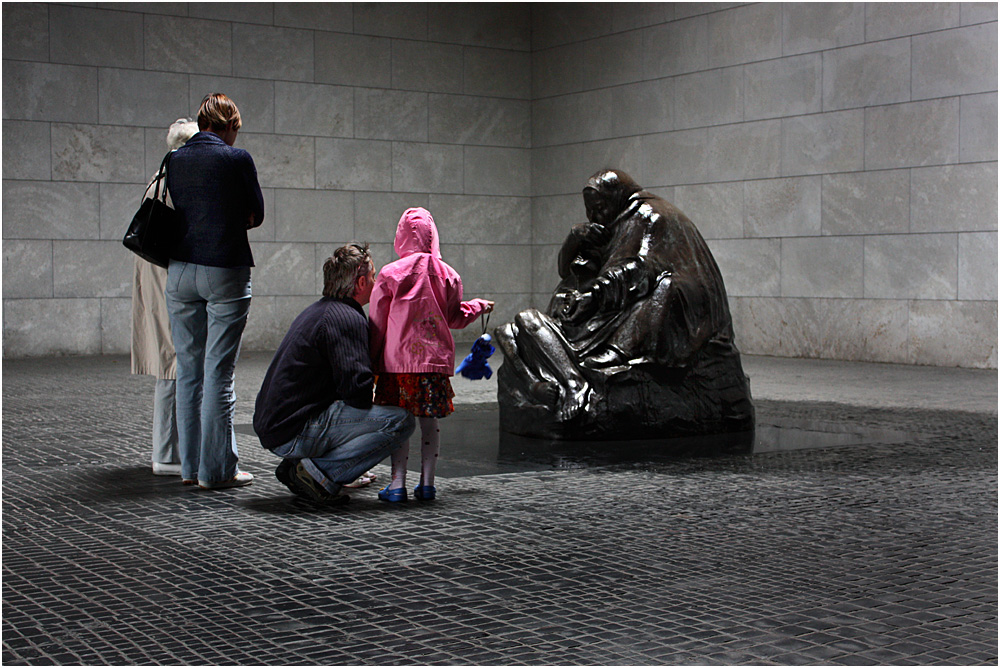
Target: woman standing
(214, 186)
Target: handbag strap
(161, 177)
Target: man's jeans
(208, 309)
(343, 442)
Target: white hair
(179, 132)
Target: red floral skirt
(422, 394)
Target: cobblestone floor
(874, 554)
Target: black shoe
(305, 485)
(285, 473)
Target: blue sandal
(424, 492)
(392, 495)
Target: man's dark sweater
(323, 357)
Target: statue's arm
(582, 237)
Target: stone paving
(857, 555)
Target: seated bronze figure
(637, 340)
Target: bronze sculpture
(637, 340)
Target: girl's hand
(488, 308)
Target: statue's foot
(573, 403)
(609, 358)
(545, 392)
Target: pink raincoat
(416, 302)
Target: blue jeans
(165, 422)
(343, 442)
(208, 309)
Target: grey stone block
(823, 143)
(750, 267)
(116, 325)
(27, 269)
(47, 210)
(242, 12)
(377, 214)
(425, 66)
(191, 46)
(713, 97)
(715, 208)
(674, 158)
(744, 151)
(643, 108)
(264, 231)
(432, 168)
(817, 26)
(497, 171)
(557, 170)
(822, 267)
(554, 71)
(284, 269)
(675, 48)
(499, 25)
(87, 36)
(497, 73)
(624, 153)
(610, 61)
(27, 150)
(544, 273)
(25, 31)
(572, 118)
(978, 122)
(558, 23)
(265, 52)
(955, 62)
(957, 198)
(977, 265)
(97, 153)
(784, 87)
(253, 97)
(977, 12)
(866, 203)
(91, 269)
(353, 60)
(335, 16)
(866, 75)
(634, 15)
(118, 204)
(553, 216)
(744, 34)
(953, 333)
(282, 161)
(912, 266)
(783, 207)
(36, 327)
(896, 19)
(461, 119)
(44, 92)
(391, 19)
(496, 269)
(353, 164)
(313, 215)
(270, 318)
(390, 114)
(313, 109)
(912, 135)
(482, 220)
(163, 98)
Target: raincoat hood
(417, 233)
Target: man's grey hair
(342, 269)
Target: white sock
(430, 447)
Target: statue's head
(607, 194)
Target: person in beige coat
(152, 345)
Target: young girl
(416, 301)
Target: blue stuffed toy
(475, 366)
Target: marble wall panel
(244, 12)
(715, 208)
(555, 170)
(253, 97)
(353, 60)
(953, 333)
(572, 118)
(744, 151)
(675, 48)
(313, 109)
(497, 171)
(266, 52)
(496, 269)
(744, 34)
(866, 203)
(553, 216)
(391, 19)
(27, 150)
(163, 100)
(43, 327)
(25, 31)
(822, 267)
(191, 46)
(462, 119)
(675, 157)
(712, 97)
(978, 121)
(885, 20)
(331, 16)
(625, 154)
(866, 75)
(390, 114)
(497, 73)
(911, 266)
(610, 61)
(431, 168)
(817, 26)
(269, 319)
(643, 108)
(426, 66)
(783, 207)
(87, 36)
(499, 25)
(977, 266)
(312, 215)
(353, 164)
(554, 72)
(51, 210)
(116, 325)
(954, 198)
(118, 203)
(482, 220)
(750, 267)
(283, 161)
(912, 135)
(823, 143)
(27, 269)
(377, 214)
(977, 12)
(283, 269)
(558, 23)
(634, 15)
(784, 87)
(44, 92)
(544, 272)
(91, 269)
(955, 62)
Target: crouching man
(314, 409)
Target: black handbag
(153, 231)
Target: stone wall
(840, 158)
(351, 112)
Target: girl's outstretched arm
(378, 315)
